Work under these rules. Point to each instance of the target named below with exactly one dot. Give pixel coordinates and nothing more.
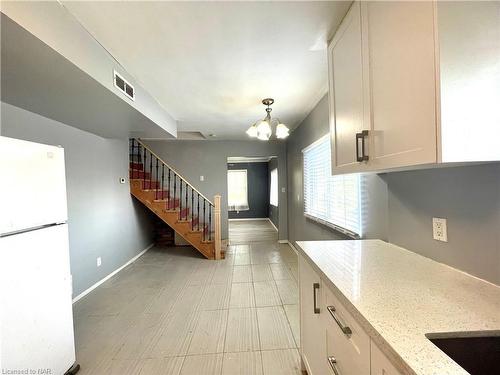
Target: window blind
(332, 200)
(273, 193)
(237, 190)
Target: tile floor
(173, 312)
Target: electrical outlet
(202, 178)
(439, 231)
(99, 261)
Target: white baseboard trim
(273, 224)
(87, 291)
(283, 241)
(293, 247)
(249, 218)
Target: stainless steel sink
(478, 355)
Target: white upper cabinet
(347, 116)
(417, 82)
(403, 84)
(469, 52)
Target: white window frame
(274, 188)
(328, 219)
(233, 207)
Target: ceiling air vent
(122, 85)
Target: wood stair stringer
(171, 217)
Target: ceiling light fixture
(262, 129)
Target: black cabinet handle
(315, 288)
(361, 136)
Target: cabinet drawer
(347, 344)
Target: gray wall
(468, 197)
(314, 126)
(273, 211)
(399, 206)
(258, 194)
(193, 159)
(103, 219)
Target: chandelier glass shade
(263, 129)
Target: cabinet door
(312, 331)
(402, 82)
(380, 365)
(346, 93)
(469, 48)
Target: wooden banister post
(218, 227)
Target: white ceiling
(210, 63)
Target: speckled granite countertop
(398, 297)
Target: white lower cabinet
(347, 345)
(312, 334)
(332, 341)
(380, 365)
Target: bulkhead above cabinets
(415, 84)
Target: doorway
(253, 209)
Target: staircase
(175, 201)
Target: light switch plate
(99, 261)
(202, 178)
(439, 230)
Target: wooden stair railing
(174, 200)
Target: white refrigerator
(36, 318)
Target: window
(273, 191)
(237, 190)
(331, 200)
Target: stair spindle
(168, 196)
(131, 156)
(198, 213)
(192, 209)
(162, 178)
(144, 170)
(157, 179)
(175, 190)
(180, 199)
(150, 170)
(186, 206)
(138, 156)
(210, 222)
(204, 222)
(135, 155)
